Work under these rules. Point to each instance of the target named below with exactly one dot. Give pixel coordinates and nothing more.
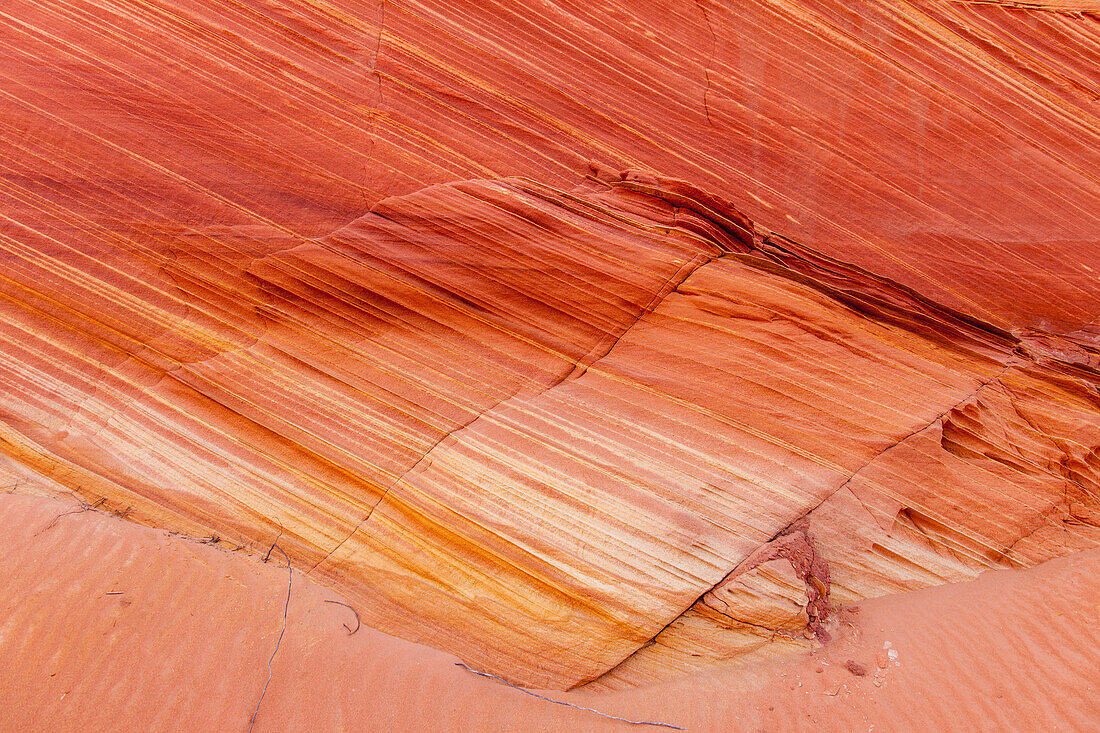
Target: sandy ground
(105, 625)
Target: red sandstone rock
(591, 344)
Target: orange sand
(106, 625)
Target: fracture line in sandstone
(568, 704)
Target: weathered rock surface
(819, 324)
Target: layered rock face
(601, 364)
